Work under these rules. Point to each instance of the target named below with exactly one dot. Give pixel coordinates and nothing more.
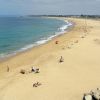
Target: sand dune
(69, 80)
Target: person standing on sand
(56, 42)
(61, 59)
(7, 68)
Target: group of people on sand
(36, 70)
(33, 69)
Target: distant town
(76, 16)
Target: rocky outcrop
(93, 95)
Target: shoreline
(32, 46)
(78, 74)
(5, 62)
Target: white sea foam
(61, 30)
(27, 47)
(64, 27)
(6, 55)
(41, 42)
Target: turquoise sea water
(20, 33)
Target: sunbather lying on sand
(37, 84)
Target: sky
(48, 7)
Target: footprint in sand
(97, 41)
(83, 36)
(69, 47)
(76, 41)
(63, 48)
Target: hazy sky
(20, 7)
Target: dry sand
(69, 80)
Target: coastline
(63, 30)
(77, 75)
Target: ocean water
(21, 33)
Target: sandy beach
(69, 80)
